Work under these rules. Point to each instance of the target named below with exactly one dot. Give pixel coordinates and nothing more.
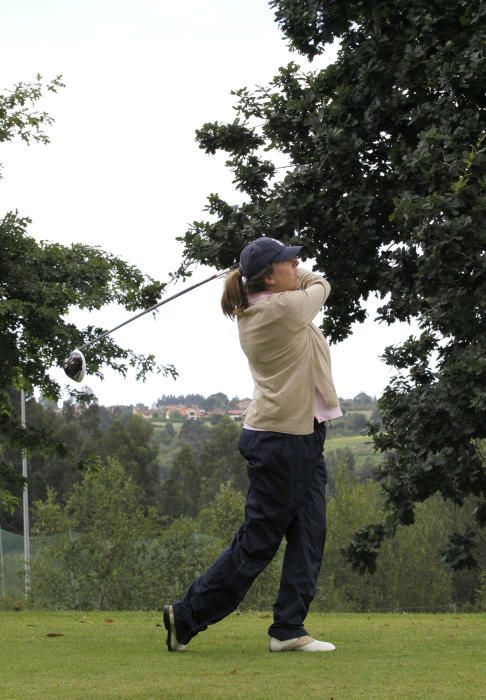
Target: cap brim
(288, 252)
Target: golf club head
(75, 366)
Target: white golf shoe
(305, 643)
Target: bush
(410, 573)
(94, 546)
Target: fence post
(25, 503)
(2, 569)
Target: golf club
(75, 364)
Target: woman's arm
(305, 303)
(307, 279)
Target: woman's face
(284, 277)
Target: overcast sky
(123, 170)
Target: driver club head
(75, 366)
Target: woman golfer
(274, 302)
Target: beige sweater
(288, 356)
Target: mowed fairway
(122, 655)
(361, 447)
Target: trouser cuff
(284, 633)
(186, 626)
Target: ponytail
(235, 293)
(234, 299)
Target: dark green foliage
(209, 403)
(481, 593)
(338, 459)
(181, 493)
(69, 569)
(101, 549)
(180, 400)
(207, 458)
(216, 401)
(221, 462)
(39, 284)
(458, 553)
(224, 516)
(130, 444)
(71, 440)
(409, 574)
(180, 554)
(362, 551)
(11, 486)
(18, 115)
(194, 433)
(360, 401)
(95, 545)
(235, 138)
(386, 191)
(352, 423)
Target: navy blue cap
(259, 253)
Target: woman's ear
(269, 282)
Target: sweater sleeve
(305, 303)
(308, 278)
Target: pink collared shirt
(321, 411)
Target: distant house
(145, 412)
(170, 411)
(187, 412)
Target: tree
(94, 550)
(75, 437)
(363, 399)
(40, 282)
(386, 159)
(195, 433)
(342, 459)
(185, 553)
(216, 401)
(220, 461)
(224, 516)
(181, 492)
(409, 572)
(130, 443)
(168, 433)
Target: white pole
(1, 565)
(25, 504)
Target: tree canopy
(385, 188)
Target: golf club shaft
(156, 306)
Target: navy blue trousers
(286, 498)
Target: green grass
(366, 412)
(378, 656)
(159, 426)
(360, 445)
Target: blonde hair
(236, 289)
